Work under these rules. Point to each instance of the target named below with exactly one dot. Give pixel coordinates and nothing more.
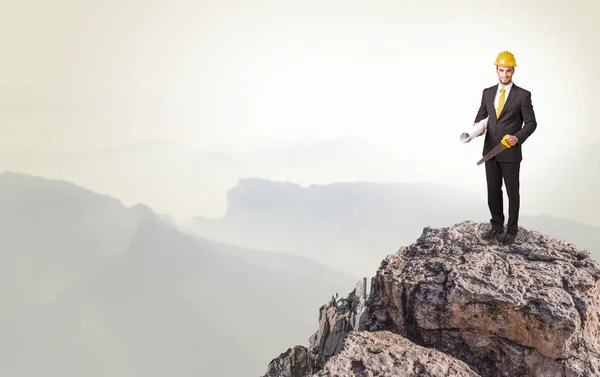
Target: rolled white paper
(474, 131)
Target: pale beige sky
(387, 78)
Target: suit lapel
(491, 98)
(511, 96)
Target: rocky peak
(454, 302)
(141, 211)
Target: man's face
(505, 74)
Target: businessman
(508, 110)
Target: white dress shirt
(507, 88)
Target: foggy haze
(183, 184)
(382, 80)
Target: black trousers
(509, 172)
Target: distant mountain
(352, 226)
(53, 234)
(292, 267)
(348, 225)
(152, 172)
(95, 289)
(156, 171)
(573, 178)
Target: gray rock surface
(528, 309)
(336, 319)
(383, 353)
(293, 362)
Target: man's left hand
(511, 140)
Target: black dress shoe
(509, 239)
(492, 233)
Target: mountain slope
(352, 226)
(158, 303)
(53, 234)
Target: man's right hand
(482, 131)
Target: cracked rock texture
(528, 309)
(337, 319)
(293, 362)
(384, 353)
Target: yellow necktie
(500, 103)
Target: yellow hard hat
(506, 58)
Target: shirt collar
(507, 87)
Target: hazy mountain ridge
(155, 171)
(159, 303)
(353, 225)
(53, 234)
(99, 276)
(290, 264)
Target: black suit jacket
(517, 118)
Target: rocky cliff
(452, 304)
